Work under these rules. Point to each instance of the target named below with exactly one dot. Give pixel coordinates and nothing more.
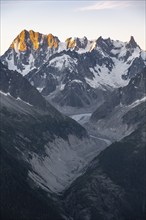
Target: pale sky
(115, 19)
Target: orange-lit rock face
(71, 43)
(34, 38)
(52, 42)
(22, 45)
(19, 42)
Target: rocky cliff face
(43, 152)
(29, 50)
(33, 40)
(122, 111)
(77, 67)
(133, 92)
(48, 159)
(113, 187)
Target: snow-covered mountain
(122, 111)
(31, 49)
(77, 72)
(43, 151)
(48, 159)
(113, 186)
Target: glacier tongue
(63, 162)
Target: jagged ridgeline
(52, 167)
(75, 73)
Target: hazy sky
(115, 19)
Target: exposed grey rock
(113, 187)
(134, 91)
(102, 64)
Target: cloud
(102, 5)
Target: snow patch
(137, 102)
(109, 78)
(77, 80)
(64, 61)
(11, 65)
(40, 89)
(62, 87)
(18, 98)
(62, 46)
(81, 118)
(143, 55)
(5, 94)
(118, 44)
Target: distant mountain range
(77, 72)
(52, 167)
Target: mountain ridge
(74, 72)
(53, 40)
(31, 42)
(51, 161)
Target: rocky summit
(78, 72)
(88, 163)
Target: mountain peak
(33, 40)
(19, 42)
(71, 42)
(76, 43)
(132, 43)
(52, 41)
(99, 39)
(24, 31)
(31, 49)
